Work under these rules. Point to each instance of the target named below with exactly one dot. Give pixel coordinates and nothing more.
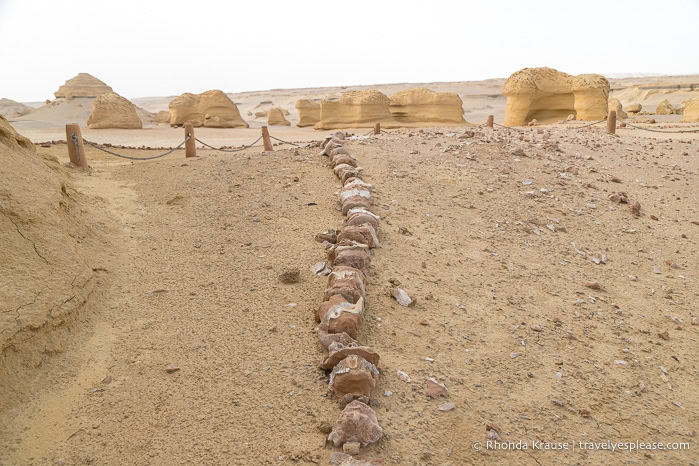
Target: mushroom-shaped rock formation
(691, 110)
(422, 106)
(212, 109)
(664, 108)
(309, 112)
(83, 85)
(113, 111)
(353, 375)
(357, 423)
(356, 109)
(634, 108)
(547, 95)
(614, 104)
(275, 117)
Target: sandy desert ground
(549, 311)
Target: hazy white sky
(167, 47)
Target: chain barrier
(590, 124)
(228, 150)
(128, 157)
(284, 142)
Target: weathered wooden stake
(491, 118)
(76, 147)
(266, 140)
(611, 122)
(190, 147)
(377, 128)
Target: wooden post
(491, 118)
(190, 147)
(377, 128)
(76, 147)
(611, 122)
(266, 140)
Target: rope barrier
(229, 150)
(367, 134)
(284, 142)
(97, 146)
(509, 127)
(591, 124)
(659, 130)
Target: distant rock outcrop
(162, 117)
(691, 110)
(664, 108)
(113, 111)
(356, 109)
(275, 116)
(547, 95)
(309, 112)
(424, 106)
(614, 104)
(11, 109)
(212, 109)
(634, 108)
(83, 85)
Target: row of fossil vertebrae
(352, 366)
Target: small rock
(387, 393)
(435, 389)
(172, 368)
(636, 209)
(403, 297)
(403, 376)
(664, 335)
(593, 285)
(447, 407)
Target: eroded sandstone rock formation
(614, 104)
(422, 106)
(691, 110)
(11, 109)
(83, 85)
(113, 111)
(212, 109)
(664, 108)
(356, 109)
(309, 112)
(275, 116)
(162, 117)
(548, 96)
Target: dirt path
(197, 287)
